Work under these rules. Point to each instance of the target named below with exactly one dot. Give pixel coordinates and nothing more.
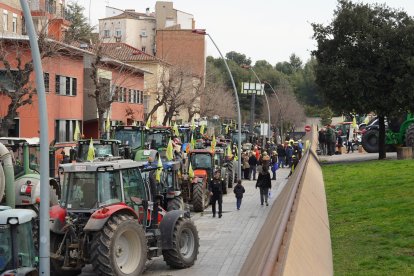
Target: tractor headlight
(13, 221)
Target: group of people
(258, 161)
(331, 141)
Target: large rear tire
(198, 197)
(185, 245)
(409, 136)
(370, 141)
(120, 248)
(231, 174)
(176, 203)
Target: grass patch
(371, 217)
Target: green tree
(326, 116)
(365, 61)
(79, 30)
(238, 58)
(305, 86)
(295, 62)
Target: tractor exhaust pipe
(8, 180)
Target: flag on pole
(192, 124)
(159, 170)
(202, 129)
(76, 134)
(213, 144)
(169, 153)
(191, 171)
(354, 123)
(107, 124)
(227, 129)
(175, 129)
(236, 155)
(148, 124)
(91, 152)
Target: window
(65, 85)
(106, 34)
(14, 23)
(5, 21)
(64, 130)
(143, 48)
(118, 33)
(141, 97)
(46, 80)
(121, 94)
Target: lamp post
(267, 102)
(203, 32)
(281, 114)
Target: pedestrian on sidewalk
(252, 164)
(239, 191)
(264, 184)
(216, 187)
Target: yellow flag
(354, 123)
(236, 156)
(148, 124)
(192, 124)
(366, 120)
(202, 129)
(107, 124)
(91, 152)
(229, 153)
(191, 171)
(227, 129)
(213, 144)
(175, 129)
(169, 153)
(76, 134)
(159, 170)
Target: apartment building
(130, 27)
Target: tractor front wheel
(409, 136)
(176, 203)
(199, 197)
(120, 247)
(185, 245)
(370, 141)
(230, 172)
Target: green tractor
(17, 251)
(399, 131)
(132, 138)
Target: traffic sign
(307, 128)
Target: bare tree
(17, 68)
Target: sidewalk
(225, 242)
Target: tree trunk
(381, 138)
(154, 108)
(101, 122)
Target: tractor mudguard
(101, 216)
(167, 227)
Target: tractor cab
(17, 251)
(158, 137)
(103, 148)
(132, 137)
(202, 162)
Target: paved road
(224, 242)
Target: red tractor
(108, 217)
(195, 190)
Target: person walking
(274, 164)
(246, 166)
(281, 154)
(239, 191)
(264, 184)
(265, 160)
(322, 141)
(252, 164)
(216, 187)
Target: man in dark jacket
(238, 191)
(281, 154)
(264, 183)
(216, 187)
(252, 164)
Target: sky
(268, 30)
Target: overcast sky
(268, 30)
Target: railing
(269, 253)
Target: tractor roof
(99, 141)
(200, 151)
(93, 166)
(18, 140)
(22, 215)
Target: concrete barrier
(404, 153)
(295, 239)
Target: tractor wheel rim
(187, 243)
(127, 251)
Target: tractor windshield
(100, 150)
(202, 161)
(34, 157)
(132, 138)
(5, 247)
(89, 190)
(158, 139)
(235, 137)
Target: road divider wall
(295, 239)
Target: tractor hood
(200, 173)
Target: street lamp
(267, 102)
(281, 114)
(239, 150)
